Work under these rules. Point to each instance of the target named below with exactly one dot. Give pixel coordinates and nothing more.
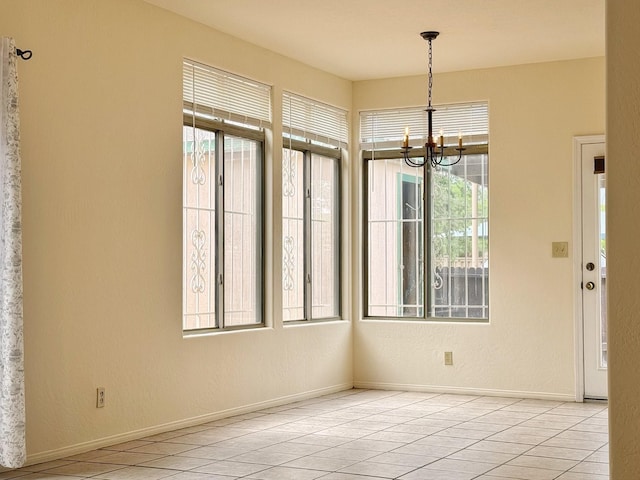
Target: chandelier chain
(430, 75)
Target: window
(426, 229)
(314, 135)
(223, 143)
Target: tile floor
(365, 435)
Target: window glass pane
(324, 237)
(395, 239)
(460, 239)
(241, 223)
(293, 235)
(199, 233)
(602, 199)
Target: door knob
(590, 285)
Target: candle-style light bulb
(405, 141)
(459, 139)
(441, 138)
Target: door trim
(578, 142)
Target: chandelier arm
(441, 163)
(409, 161)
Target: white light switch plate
(559, 249)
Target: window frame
(308, 149)
(221, 130)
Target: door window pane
(602, 196)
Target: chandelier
(433, 152)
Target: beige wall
(101, 118)
(528, 346)
(623, 187)
(101, 104)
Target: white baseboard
(562, 397)
(63, 452)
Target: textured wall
(623, 182)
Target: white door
(594, 269)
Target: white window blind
(315, 121)
(385, 128)
(214, 93)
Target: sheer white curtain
(12, 415)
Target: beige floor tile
(430, 474)
(496, 458)
(543, 462)
(265, 458)
(321, 463)
(347, 476)
(415, 461)
(213, 452)
(559, 452)
(600, 457)
(11, 474)
(198, 476)
(384, 470)
(465, 433)
(582, 476)
(46, 476)
(502, 447)
(83, 469)
(524, 473)
(452, 465)
(128, 458)
(442, 441)
(136, 473)
(429, 450)
(173, 462)
(232, 469)
(591, 467)
(346, 453)
(163, 448)
(287, 473)
(46, 465)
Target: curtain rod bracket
(24, 54)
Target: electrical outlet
(448, 358)
(100, 399)
(559, 249)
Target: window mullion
(338, 239)
(308, 287)
(427, 254)
(259, 205)
(366, 233)
(219, 228)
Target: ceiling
(366, 39)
